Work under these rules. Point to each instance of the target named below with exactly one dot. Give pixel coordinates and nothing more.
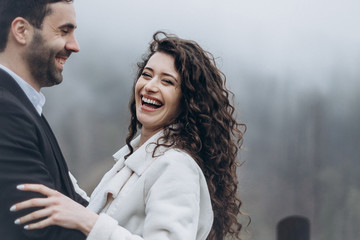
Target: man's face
(52, 45)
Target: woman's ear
(20, 30)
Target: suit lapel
(7, 82)
(60, 161)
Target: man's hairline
(49, 11)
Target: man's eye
(65, 31)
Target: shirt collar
(35, 97)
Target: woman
(177, 179)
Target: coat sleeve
(21, 162)
(172, 203)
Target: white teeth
(150, 101)
(60, 60)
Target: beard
(41, 61)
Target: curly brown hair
(205, 128)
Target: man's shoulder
(9, 102)
(8, 87)
(13, 110)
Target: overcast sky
(307, 37)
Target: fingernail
(13, 208)
(20, 187)
(17, 221)
(26, 227)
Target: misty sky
(306, 37)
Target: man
(36, 39)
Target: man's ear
(21, 30)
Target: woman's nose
(152, 85)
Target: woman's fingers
(33, 216)
(37, 188)
(35, 202)
(44, 223)
(56, 209)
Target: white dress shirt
(35, 97)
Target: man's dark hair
(33, 11)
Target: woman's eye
(168, 82)
(146, 74)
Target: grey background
(294, 69)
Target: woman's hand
(57, 209)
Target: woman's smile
(150, 104)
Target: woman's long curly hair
(205, 128)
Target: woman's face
(158, 93)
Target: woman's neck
(146, 135)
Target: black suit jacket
(29, 153)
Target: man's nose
(72, 44)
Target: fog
(294, 69)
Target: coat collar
(114, 180)
(142, 157)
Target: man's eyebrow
(68, 25)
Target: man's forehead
(61, 14)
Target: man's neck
(17, 65)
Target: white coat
(154, 198)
